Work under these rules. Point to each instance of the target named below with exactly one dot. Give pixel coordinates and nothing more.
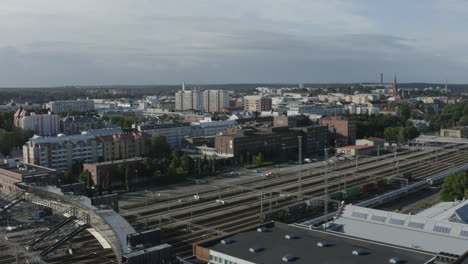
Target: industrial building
(457, 131)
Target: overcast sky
(84, 42)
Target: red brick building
(13, 172)
(342, 131)
(105, 173)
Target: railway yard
(191, 218)
(289, 195)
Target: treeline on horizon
(46, 94)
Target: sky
(98, 42)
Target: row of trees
(400, 134)
(121, 121)
(451, 114)
(455, 187)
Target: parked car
(272, 173)
(307, 160)
(255, 171)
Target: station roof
(448, 211)
(411, 231)
(304, 249)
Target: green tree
(159, 148)
(455, 187)
(258, 160)
(7, 142)
(85, 177)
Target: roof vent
(255, 249)
(290, 236)
(323, 244)
(359, 252)
(395, 260)
(262, 229)
(288, 258)
(227, 240)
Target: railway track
(246, 211)
(182, 242)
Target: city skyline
(53, 43)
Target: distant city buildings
(72, 105)
(41, 121)
(215, 100)
(203, 101)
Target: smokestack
(381, 78)
(183, 86)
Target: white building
(210, 128)
(62, 151)
(362, 109)
(72, 105)
(174, 132)
(42, 122)
(189, 100)
(316, 109)
(215, 100)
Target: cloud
(60, 42)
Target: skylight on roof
(378, 218)
(442, 229)
(396, 221)
(416, 225)
(360, 215)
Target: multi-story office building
(215, 100)
(257, 103)
(173, 131)
(342, 131)
(42, 122)
(61, 152)
(78, 124)
(72, 105)
(249, 142)
(189, 100)
(123, 146)
(211, 128)
(314, 138)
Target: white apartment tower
(188, 100)
(215, 100)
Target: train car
(352, 193)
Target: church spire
(395, 87)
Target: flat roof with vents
(335, 249)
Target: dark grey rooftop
(27, 169)
(275, 246)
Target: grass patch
(426, 203)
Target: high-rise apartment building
(189, 100)
(257, 103)
(215, 100)
(72, 105)
(42, 121)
